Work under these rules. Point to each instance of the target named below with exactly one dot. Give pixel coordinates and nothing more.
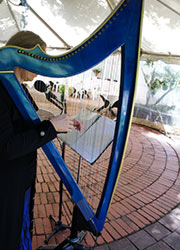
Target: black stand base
(58, 227)
(68, 244)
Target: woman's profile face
(24, 75)
(27, 75)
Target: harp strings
(92, 176)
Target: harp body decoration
(121, 28)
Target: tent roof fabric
(66, 23)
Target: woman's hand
(62, 123)
(77, 125)
(65, 123)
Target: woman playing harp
(18, 146)
(121, 28)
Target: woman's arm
(14, 145)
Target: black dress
(18, 152)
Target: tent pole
(48, 26)
(13, 16)
(167, 6)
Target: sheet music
(96, 135)
(86, 116)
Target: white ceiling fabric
(161, 27)
(73, 21)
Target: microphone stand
(59, 226)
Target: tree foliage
(165, 78)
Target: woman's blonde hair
(26, 39)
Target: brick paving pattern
(145, 210)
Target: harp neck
(90, 52)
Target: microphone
(40, 86)
(43, 88)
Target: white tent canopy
(66, 23)
(63, 24)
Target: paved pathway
(145, 211)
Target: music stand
(102, 128)
(98, 134)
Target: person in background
(18, 153)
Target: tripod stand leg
(59, 227)
(73, 244)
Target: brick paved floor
(145, 211)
